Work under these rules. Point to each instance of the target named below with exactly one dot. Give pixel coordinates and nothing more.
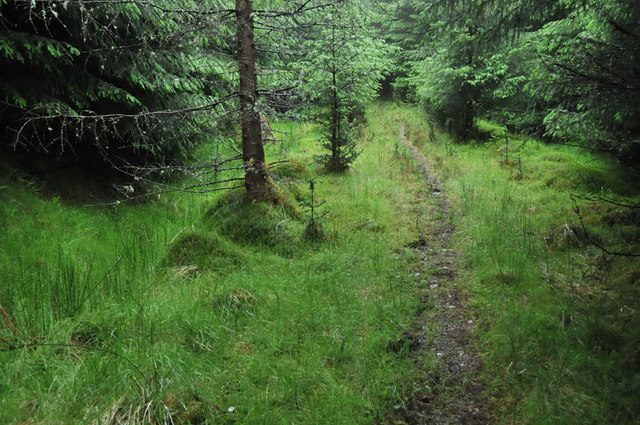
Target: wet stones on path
(452, 393)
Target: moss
(287, 198)
(256, 223)
(486, 131)
(291, 170)
(564, 171)
(206, 251)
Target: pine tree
(464, 55)
(587, 76)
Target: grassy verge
(558, 317)
(205, 309)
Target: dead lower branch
(591, 239)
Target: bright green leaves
(344, 63)
(346, 58)
(462, 62)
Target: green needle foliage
(565, 71)
(344, 67)
(89, 78)
(460, 60)
(587, 76)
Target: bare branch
(591, 240)
(146, 3)
(608, 201)
(305, 6)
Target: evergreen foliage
(94, 78)
(463, 55)
(587, 76)
(404, 30)
(564, 70)
(343, 69)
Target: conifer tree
(464, 55)
(112, 80)
(587, 76)
(344, 65)
(138, 85)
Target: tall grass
(73, 282)
(209, 309)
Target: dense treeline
(566, 70)
(139, 85)
(151, 80)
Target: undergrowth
(209, 309)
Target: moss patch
(205, 251)
(275, 225)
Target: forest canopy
(564, 70)
(95, 78)
(139, 85)
(142, 83)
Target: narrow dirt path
(453, 394)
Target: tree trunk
(255, 179)
(335, 120)
(469, 94)
(468, 112)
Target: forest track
(452, 393)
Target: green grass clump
(292, 169)
(194, 251)
(275, 225)
(574, 170)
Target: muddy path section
(444, 334)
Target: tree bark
(256, 182)
(335, 106)
(335, 119)
(469, 95)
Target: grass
(207, 309)
(558, 318)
